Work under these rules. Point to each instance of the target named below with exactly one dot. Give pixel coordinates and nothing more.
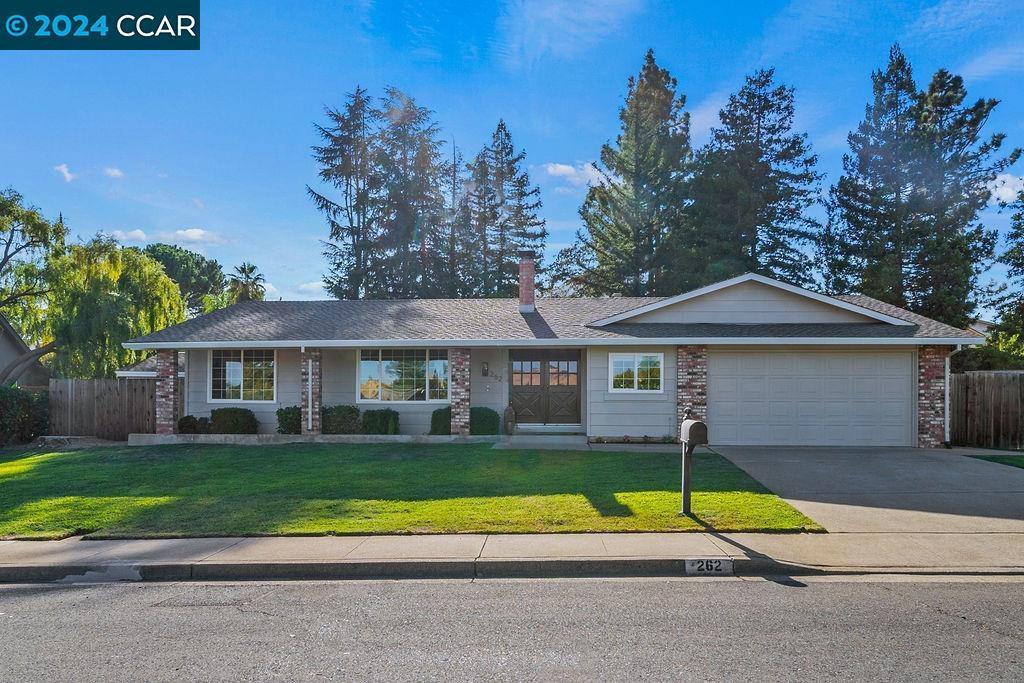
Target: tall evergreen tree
(959, 163)
(909, 198)
(455, 241)
(196, 275)
(875, 197)
(481, 212)
(752, 187)
(634, 214)
(1011, 307)
(411, 202)
(347, 160)
(517, 226)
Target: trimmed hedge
(24, 415)
(441, 421)
(289, 420)
(341, 419)
(383, 421)
(190, 424)
(484, 421)
(233, 421)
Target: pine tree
(455, 241)
(1010, 330)
(959, 164)
(517, 226)
(347, 163)
(908, 202)
(481, 211)
(412, 203)
(874, 198)
(753, 185)
(634, 215)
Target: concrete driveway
(876, 490)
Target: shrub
(190, 424)
(233, 421)
(441, 421)
(483, 421)
(289, 420)
(24, 415)
(340, 419)
(383, 421)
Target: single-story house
(764, 362)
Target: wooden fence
(987, 409)
(104, 408)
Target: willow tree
(104, 296)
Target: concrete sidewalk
(528, 555)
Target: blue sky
(210, 149)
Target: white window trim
(635, 357)
(377, 401)
(209, 379)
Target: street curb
(489, 568)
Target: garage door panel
(811, 397)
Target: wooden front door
(545, 386)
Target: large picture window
(242, 375)
(403, 375)
(635, 372)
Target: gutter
(570, 342)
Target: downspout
(945, 396)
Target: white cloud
(956, 19)
(113, 172)
(129, 236)
(1006, 187)
(65, 172)
(704, 116)
(270, 291)
(194, 236)
(532, 30)
(314, 287)
(581, 174)
(198, 203)
(995, 62)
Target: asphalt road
(579, 630)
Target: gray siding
(491, 391)
(751, 302)
(614, 414)
(288, 380)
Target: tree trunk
(17, 367)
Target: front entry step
(549, 430)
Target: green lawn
(360, 489)
(1012, 460)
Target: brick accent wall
(168, 387)
(458, 390)
(310, 361)
(691, 382)
(931, 396)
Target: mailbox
(693, 432)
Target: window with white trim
(403, 375)
(242, 374)
(635, 372)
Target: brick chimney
(527, 277)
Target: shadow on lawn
(218, 488)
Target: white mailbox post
(692, 433)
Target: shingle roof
(927, 326)
(496, 320)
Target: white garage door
(813, 398)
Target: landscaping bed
(299, 489)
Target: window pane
(623, 375)
(403, 375)
(258, 375)
(437, 374)
(226, 375)
(369, 374)
(649, 373)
